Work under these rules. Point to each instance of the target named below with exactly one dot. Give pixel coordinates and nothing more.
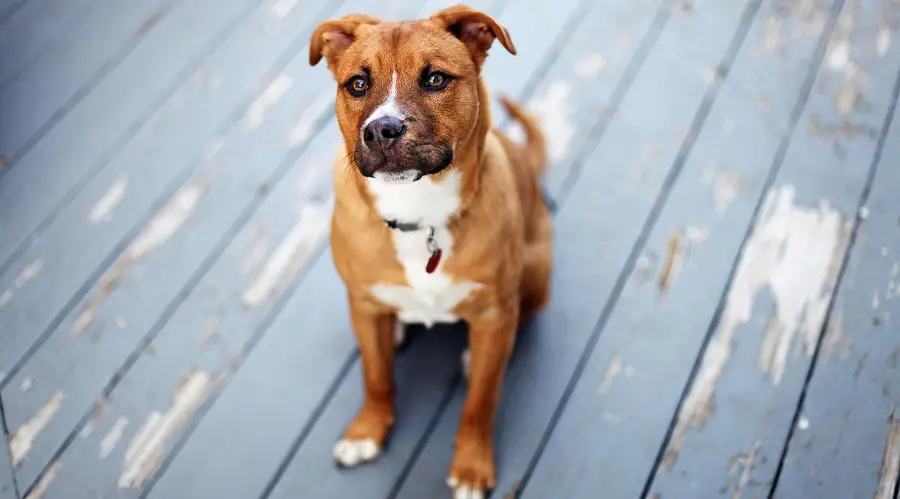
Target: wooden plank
(739, 407)
(620, 410)
(39, 27)
(192, 211)
(846, 442)
(202, 466)
(625, 174)
(37, 189)
(156, 162)
(48, 90)
(8, 9)
(576, 64)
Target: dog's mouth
(408, 166)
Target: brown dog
(438, 217)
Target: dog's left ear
(475, 29)
(332, 38)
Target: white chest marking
(429, 298)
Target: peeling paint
(890, 462)
(746, 463)
(168, 220)
(27, 383)
(591, 66)
(293, 252)
(21, 441)
(102, 210)
(771, 34)
(794, 252)
(893, 287)
(208, 333)
(883, 42)
(282, 8)
(25, 276)
(727, 184)
(256, 114)
(835, 340)
(111, 440)
(38, 491)
(553, 109)
(681, 243)
(143, 456)
(615, 367)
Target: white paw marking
(465, 360)
(399, 333)
(466, 492)
(355, 452)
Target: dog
(438, 217)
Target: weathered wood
(50, 88)
(846, 442)
(624, 174)
(176, 142)
(39, 27)
(43, 183)
(166, 256)
(739, 407)
(7, 481)
(620, 410)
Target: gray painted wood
(839, 445)
(37, 188)
(150, 287)
(740, 407)
(8, 9)
(50, 88)
(7, 482)
(174, 144)
(620, 410)
(39, 27)
(623, 174)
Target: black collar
(403, 226)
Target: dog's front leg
(365, 436)
(491, 338)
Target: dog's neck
(435, 200)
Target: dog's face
(408, 92)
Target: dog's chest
(429, 298)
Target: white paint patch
(839, 56)
(591, 66)
(40, 489)
(883, 42)
(613, 370)
(146, 449)
(27, 274)
(428, 298)
(291, 254)
(111, 440)
(553, 110)
(352, 453)
(727, 184)
(893, 287)
(102, 211)
(256, 114)
(22, 440)
(803, 424)
(167, 221)
(27, 383)
(389, 107)
(794, 252)
(282, 8)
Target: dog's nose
(383, 132)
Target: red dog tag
(433, 261)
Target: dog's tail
(535, 142)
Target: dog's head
(408, 92)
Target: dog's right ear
(332, 38)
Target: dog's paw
(470, 488)
(464, 361)
(349, 453)
(472, 474)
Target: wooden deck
(726, 311)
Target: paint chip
(111, 440)
(27, 383)
(167, 221)
(747, 463)
(794, 252)
(256, 114)
(293, 252)
(143, 456)
(883, 42)
(102, 210)
(21, 442)
(40, 489)
(615, 367)
(803, 424)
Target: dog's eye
(436, 81)
(357, 86)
